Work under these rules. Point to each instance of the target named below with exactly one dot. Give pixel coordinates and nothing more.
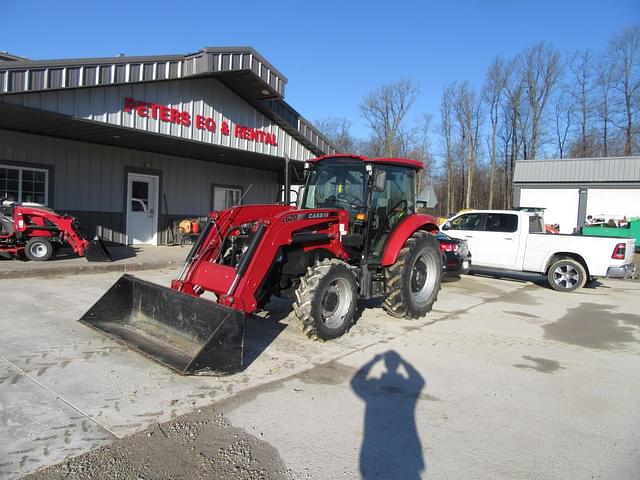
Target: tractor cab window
(390, 206)
(336, 183)
(397, 200)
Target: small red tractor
(355, 234)
(37, 232)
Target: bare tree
(420, 147)
(446, 115)
(337, 130)
(385, 110)
(625, 51)
(581, 67)
(604, 82)
(468, 116)
(563, 112)
(495, 84)
(540, 69)
(515, 126)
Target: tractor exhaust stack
(191, 335)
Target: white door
(142, 209)
(501, 239)
(491, 237)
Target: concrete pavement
(125, 259)
(505, 379)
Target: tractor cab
(377, 193)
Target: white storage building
(570, 190)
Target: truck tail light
(619, 252)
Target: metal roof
(578, 170)
(242, 69)
(403, 162)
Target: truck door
(502, 238)
(469, 227)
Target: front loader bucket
(97, 252)
(188, 334)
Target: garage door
(560, 204)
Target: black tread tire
(310, 294)
(31, 249)
(572, 267)
(400, 300)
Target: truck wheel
(566, 275)
(38, 249)
(413, 281)
(326, 299)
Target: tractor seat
(6, 226)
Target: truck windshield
(336, 183)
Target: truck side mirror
(446, 226)
(380, 180)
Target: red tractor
(38, 232)
(355, 234)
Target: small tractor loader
(37, 232)
(354, 234)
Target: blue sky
(332, 52)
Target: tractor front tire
(326, 299)
(38, 249)
(413, 281)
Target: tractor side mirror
(380, 180)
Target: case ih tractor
(355, 234)
(37, 232)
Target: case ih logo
(318, 215)
(181, 117)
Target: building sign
(182, 117)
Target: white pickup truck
(515, 241)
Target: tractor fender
(402, 232)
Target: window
(501, 222)
(536, 224)
(469, 221)
(225, 197)
(24, 184)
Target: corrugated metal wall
(614, 169)
(207, 97)
(89, 180)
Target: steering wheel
(396, 207)
(349, 199)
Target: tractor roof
(402, 162)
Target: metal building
(570, 190)
(130, 144)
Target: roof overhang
(242, 69)
(21, 119)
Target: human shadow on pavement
(391, 447)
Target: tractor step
(191, 335)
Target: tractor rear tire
(413, 281)
(326, 299)
(38, 249)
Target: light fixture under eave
(265, 92)
(116, 137)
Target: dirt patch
(593, 326)
(332, 373)
(197, 446)
(543, 365)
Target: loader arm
(271, 227)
